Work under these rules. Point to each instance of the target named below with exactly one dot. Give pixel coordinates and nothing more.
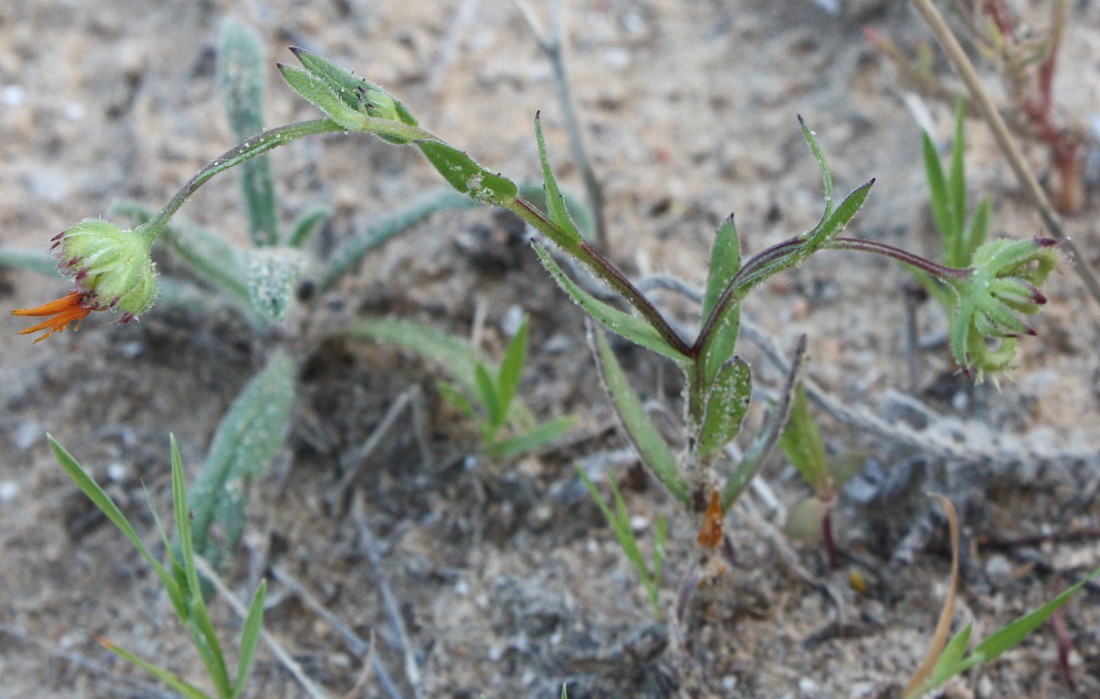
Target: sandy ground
(504, 576)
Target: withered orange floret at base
(71, 308)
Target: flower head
(111, 269)
(1003, 286)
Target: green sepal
(358, 94)
(632, 328)
(728, 401)
(466, 176)
(643, 435)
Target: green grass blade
(172, 680)
(956, 183)
(250, 638)
(632, 328)
(534, 438)
(511, 366)
(246, 440)
(458, 399)
(203, 635)
(641, 432)
(1011, 634)
(977, 231)
(107, 506)
(555, 204)
(949, 662)
(938, 197)
(489, 396)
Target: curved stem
(602, 269)
(935, 269)
(268, 140)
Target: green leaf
(489, 396)
(250, 637)
(725, 260)
(822, 166)
(356, 93)
(802, 444)
(632, 328)
(720, 333)
(198, 622)
(322, 96)
(956, 183)
(1014, 632)
(273, 280)
(38, 261)
(977, 230)
(769, 434)
(511, 366)
(453, 352)
(240, 73)
(306, 224)
(466, 176)
(938, 196)
(172, 680)
(106, 505)
(950, 660)
(532, 439)
(458, 399)
(728, 401)
(641, 432)
(246, 440)
(352, 250)
(555, 203)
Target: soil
(504, 576)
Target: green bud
(1002, 286)
(112, 266)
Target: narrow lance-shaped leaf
(534, 438)
(768, 435)
(250, 638)
(555, 204)
(511, 366)
(729, 400)
(802, 444)
(822, 166)
(957, 186)
(240, 73)
(641, 432)
(246, 440)
(466, 176)
(719, 335)
(938, 197)
(632, 328)
(199, 625)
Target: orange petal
(73, 298)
